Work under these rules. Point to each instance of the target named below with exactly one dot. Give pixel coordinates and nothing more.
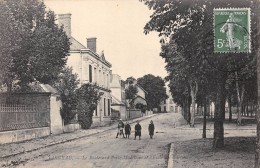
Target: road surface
(105, 150)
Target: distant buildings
(140, 98)
(168, 105)
(118, 106)
(91, 68)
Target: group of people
(138, 128)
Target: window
(108, 105)
(96, 111)
(107, 81)
(100, 79)
(90, 73)
(104, 79)
(95, 74)
(104, 106)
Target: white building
(168, 105)
(118, 104)
(140, 97)
(91, 68)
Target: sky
(118, 26)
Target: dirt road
(105, 150)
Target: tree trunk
(194, 90)
(239, 102)
(188, 111)
(204, 118)
(241, 105)
(247, 110)
(211, 111)
(257, 154)
(182, 110)
(192, 122)
(218, 141)
(9, 91)
(252, 109)
(230, 109)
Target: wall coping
(39, 93)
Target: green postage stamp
(232, 30)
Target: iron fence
(17, 116)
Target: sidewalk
(237, 153)
(13, 149)
(230, 128)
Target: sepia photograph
(130, 83)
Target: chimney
(91, 44)
(65, 20)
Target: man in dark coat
(127, 130)
(138, 129)
(151, 129)
(120, 127)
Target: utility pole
(257, 155)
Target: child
(127, 130)
(151, 129)
(138, 129)
(120, 128)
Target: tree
(41, 47)
(9, 37)
(257, 156)
(179, 18)
(67, 84)
(156, 91)
(130, 93)
(88, 96)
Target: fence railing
(17, 116)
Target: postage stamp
(232, 30)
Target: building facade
(117, 87)
(91, 68)
(140, 97)
(169, 105)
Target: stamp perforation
(230, 11)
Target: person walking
(138, 129)
(127, 130)
(151, 129)
(120, 128)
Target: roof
(138, 97)
(76, 45)
(35, 87)
(116, 101)
(115, 81)
(141, 88)
(48, 88)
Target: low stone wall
(71, 127)
(148, 112)
(105, 121)
(134, 113)
(22, 135)
(55, 117)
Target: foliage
(187, 47)
(88, 96)
(156, 91)
(35, 48)
(141, 106)
(131, 92)
(66, 84)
